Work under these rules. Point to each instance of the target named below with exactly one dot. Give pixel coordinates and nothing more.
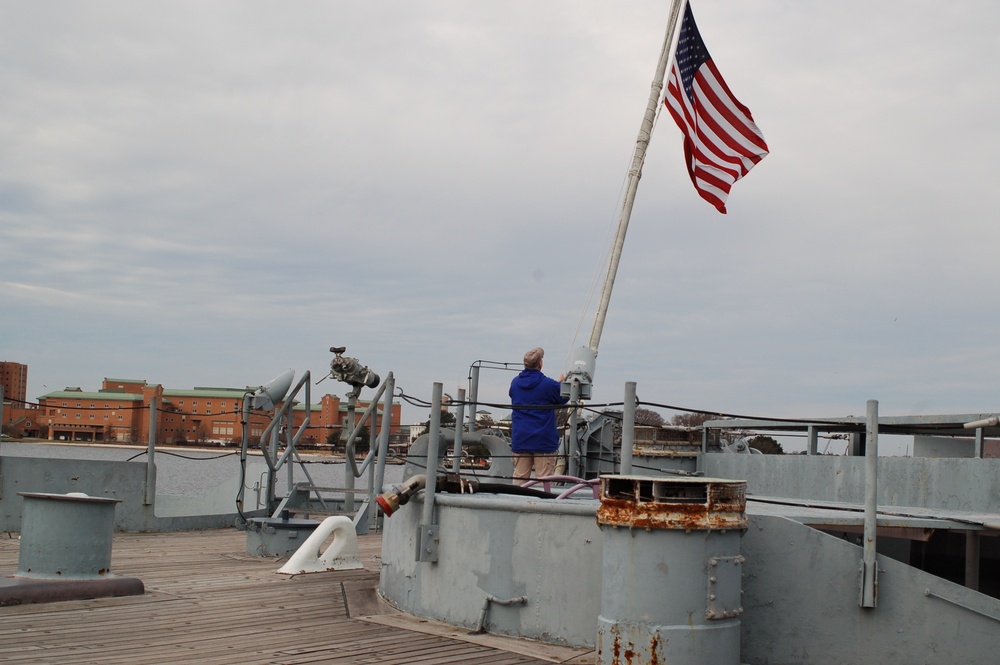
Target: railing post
(628, 428)
(244, 444)
(456, 464)
(150, 451)
(429, 537)
(869, 565)
(349, 485)
(972, 560)
(383, 439)
(289, 451)
(271, 452)
(812, 440)
(575, 462)
(473, 396)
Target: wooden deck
(206, 601)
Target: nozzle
(400, 494)
(388, 503)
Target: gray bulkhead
(800, 585)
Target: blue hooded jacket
(534, 430)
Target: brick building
(120, 413)
(14, 379)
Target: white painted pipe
(986, 422)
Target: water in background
(190, 472)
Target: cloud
(210, 194)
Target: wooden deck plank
(208, 602)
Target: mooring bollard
(66, 536)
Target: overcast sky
(208, 194)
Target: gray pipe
(578, 507)
(481, 624)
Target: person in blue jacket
(534, 438)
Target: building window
(121, 417)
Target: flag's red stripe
(743, 124)
(732, 132)
(721, 140)
(713, 168)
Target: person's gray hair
(533, 358)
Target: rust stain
(625, 653)
(623, 512)
(656, 504)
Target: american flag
(721, 141)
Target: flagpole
(635, 173)
(578, 378)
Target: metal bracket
(428, 542)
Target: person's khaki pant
(544, 465)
